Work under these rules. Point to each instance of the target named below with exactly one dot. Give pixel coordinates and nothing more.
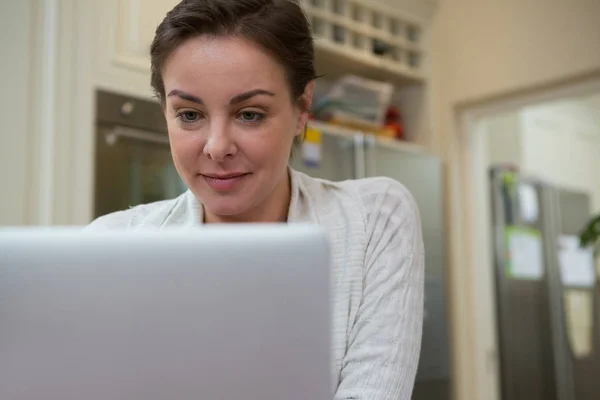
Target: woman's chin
(228, 205)
(224, 209)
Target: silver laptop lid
(221, 312)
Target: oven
(133, 163)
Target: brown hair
(279, 26)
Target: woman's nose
(219, 144)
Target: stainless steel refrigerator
(348, 156)
(546, 291)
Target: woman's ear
(305, 103)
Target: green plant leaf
(590, 235)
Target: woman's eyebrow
(235, 100)
(185, 96)
(248, 95)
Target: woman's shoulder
(151, 215)
(383, 195)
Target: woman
(235, 79)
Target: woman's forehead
(224, 66)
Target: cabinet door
(124, 30)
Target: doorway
(552, 135)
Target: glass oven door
(133, 167)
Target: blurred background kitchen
(488, 111)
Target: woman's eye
(251, 116)
(189, 116)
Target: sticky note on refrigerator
(576, 264)
(524, 253)
(312, 148)
(528, 202)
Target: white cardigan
(378, 255)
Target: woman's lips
(224, 183)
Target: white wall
(562, 151)
(503, 136)
(15, 39)
(493, 47)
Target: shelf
(334, 61)
(400, 145)
(361, 38)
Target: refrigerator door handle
(370, 155)
(359, 156)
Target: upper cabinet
(124, 31)
(364, 37)
(137, 23)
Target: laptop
(218, 313)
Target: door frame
(471, 198)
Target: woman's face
(232, 123)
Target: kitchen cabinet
(124, 30)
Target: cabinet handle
(371, 155)
(130, 133)
(359, 156)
